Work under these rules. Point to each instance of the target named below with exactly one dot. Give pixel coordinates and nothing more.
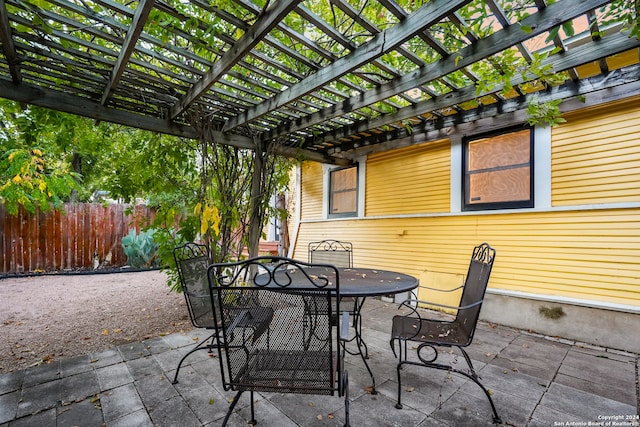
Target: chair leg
(207, 344)
(399, 403)
(253, 421)
(233, 405)
(346, 399)
(472, 376)
(468, 359)
(398, 369)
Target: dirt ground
(47, 318)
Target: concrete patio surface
(534, 381)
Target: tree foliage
(29, 180)
(201, 190)
(32, 172)
(236, 186)
(53, 157)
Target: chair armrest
(412, 303)
(344, 326)
(442, 290)
(236, 321)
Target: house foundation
(613, 326)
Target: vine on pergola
(236, 188)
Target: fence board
(69, 240)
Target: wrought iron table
(361, 283)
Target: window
(343, 192)
(498, 171)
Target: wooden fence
(82, 237)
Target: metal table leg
(363, 350)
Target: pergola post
(255, 218)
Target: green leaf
(568, 28)
(552, 34)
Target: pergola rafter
(509, 36)
(368, 52)
(130, 41)
(8, 47)
(252, 37)
(318, 79)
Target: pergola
(324, 80)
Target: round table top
(364, 282)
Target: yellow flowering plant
(27, 180)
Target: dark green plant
(141, 249)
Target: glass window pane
(501, 150)
(343, 191)
(344, 202)
(500, 186)
(499, 171)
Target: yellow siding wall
(581, 253)
(592, 255)
(312, 190)
(596, 156)
(409, 180)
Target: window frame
(330, 193)
(469, 207)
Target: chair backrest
(332, 252)
(192, 261)
(474, 289)
(298, 353)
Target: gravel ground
(47, 318)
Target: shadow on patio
(534, 380)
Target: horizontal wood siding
(312, 190)
(581, 253)
(596, 156)
(409, 180)
(591, 255)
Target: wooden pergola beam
(616, 43)
(139, 19)
(598, 90)
(239, 50)
(8, 47)
(388, 40)
(548, 18)
(584, 93)
(68, 103)
(84, 107)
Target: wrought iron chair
(336, 253)
(340, 254)
(332, 252)
(302, 353)
(432, 334)
(192, 262)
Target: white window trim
(542, 167)
(326, 181)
